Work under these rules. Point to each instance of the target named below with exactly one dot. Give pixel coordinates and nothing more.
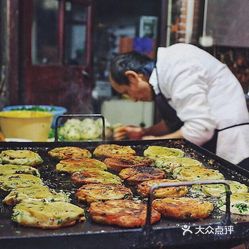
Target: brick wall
(180, 15)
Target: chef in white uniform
(198, 97)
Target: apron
(174, 123)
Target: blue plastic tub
(56, 110)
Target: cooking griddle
(216, 230)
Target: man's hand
(128, 132)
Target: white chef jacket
(206, 95)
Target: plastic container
(56, 110)
(30, 125)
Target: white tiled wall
(128, 112)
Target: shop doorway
(55, 53)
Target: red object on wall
(125, 44)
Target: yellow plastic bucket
(30, 125)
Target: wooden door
(56, 53)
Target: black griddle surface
(167, 232)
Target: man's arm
(135, 132)
(158, 129)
